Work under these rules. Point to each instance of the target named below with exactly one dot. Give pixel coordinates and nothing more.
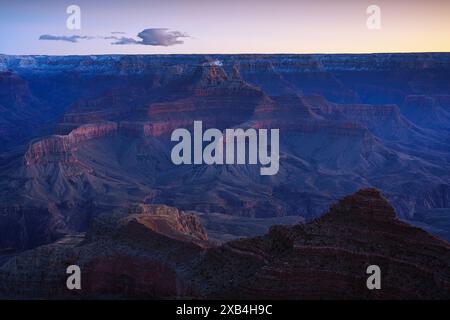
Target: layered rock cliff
(327, 258)
(47, 148)
(158, 252)
(138, 253)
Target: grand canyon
(86, 177)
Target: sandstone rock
(329, 256)
(158, 252)
(43, 150)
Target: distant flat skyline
(223, 27)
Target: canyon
(85, 164)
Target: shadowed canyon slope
(156, 251)
(86, 135)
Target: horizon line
(223, 54)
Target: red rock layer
(327, 258)
(62, 145)
(159, 252)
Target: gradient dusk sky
(230, 26)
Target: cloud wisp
(72, 39)
(148, 37)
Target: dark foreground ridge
(161, 252)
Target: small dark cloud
(118, 32)
(72, 39)
(155, 37)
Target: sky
(228, 26)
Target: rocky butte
(160, 252)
